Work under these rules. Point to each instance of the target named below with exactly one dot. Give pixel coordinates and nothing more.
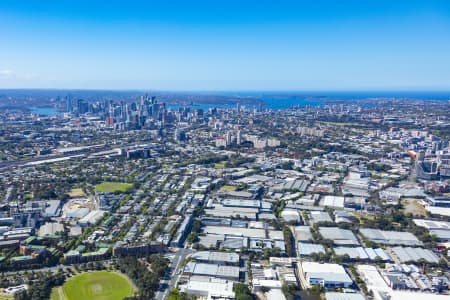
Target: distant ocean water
(282, 100)
(425, 95)
(204, 106)
(45, 111)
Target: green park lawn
(110, 187)
(102, 285)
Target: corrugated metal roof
(343, 296)
(306, 249)
(390, 237)
(407, 254)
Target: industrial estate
(171, 196)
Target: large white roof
(322, 268)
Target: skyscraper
(69, 105)
(238, 137)
(82, 106)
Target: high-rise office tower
(82, 106)
(69, 105)
(238, 137)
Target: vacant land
(74, 193)
(228, 188)
(101, 285)
(110, 187)
(220, 165)
(413, 206)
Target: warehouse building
(402, 295)
(360, 253)
(282, 261)
(259, 245)
(390, 237)
(343, 296)
(233, 231)
(212, 270)
(306, 249)
(319, 216)
(290, 216)
(440, 229)
(216, 221)
(52, 208)
(302, 233)
(333, 201)
(267, 284)
(275, 294)
(293, 185)
(235, 243)
(442, 235)
(343, 217)
(214, 257)
(409, 254)
(51, 229)
(326, 275)
(374, 281)
(91, 218)
(209, 288)
(438, 201)
(220, 211)
(430, 224)
(340, 237)
(245, 203)
(211, 240)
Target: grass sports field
(100, 285)
(110, 187)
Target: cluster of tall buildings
(145, 113)
(229, 139)
(122, 115)
(137, 114)
(310, 131)
(78, 106)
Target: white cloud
(8, 74)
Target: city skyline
(322, 46)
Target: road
(298, 265)
(45, 269)
(170, 280)
(37, 159)
(56, 268)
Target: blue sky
(226, 45)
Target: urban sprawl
(347, 200)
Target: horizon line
(230, 90)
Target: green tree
(242, 292)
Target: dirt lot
(413, 206)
